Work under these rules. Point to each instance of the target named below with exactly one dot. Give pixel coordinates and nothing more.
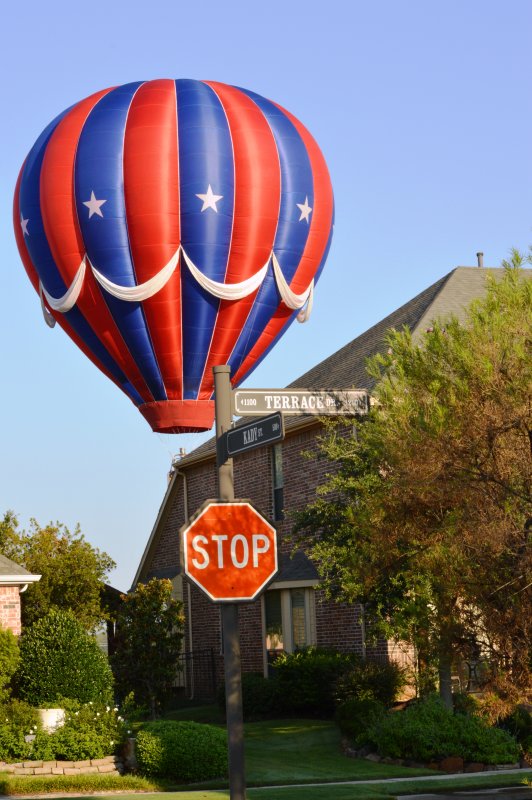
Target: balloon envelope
(170, 226)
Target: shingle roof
(8, 567)
(346, 368)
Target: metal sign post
(233, 673)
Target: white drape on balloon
(143, 291)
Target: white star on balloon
(209, 199)
(24, 225)
(94, 205)
(305, 210)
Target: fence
(197, 673)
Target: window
(289, 621)
(278, 482)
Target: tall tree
(149, 632)
(425, 517)
(73, 571)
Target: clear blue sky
(423, 112)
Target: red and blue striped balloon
(171, 226)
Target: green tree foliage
(59, 659)
(9, 661)
(148, 641)
(426, 517)
(73, 571)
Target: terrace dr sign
(319, 402)
(230, 551)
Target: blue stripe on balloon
(292, 233)
(205, 159)
(99, 169)
(43, 261)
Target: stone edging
(451, 765)
(111, 765)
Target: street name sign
(320, 402)
(258, 433)
(230, 551)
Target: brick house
(14, 580)
(293, 611)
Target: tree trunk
(444, 674)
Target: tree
(73, 571)
(149, 631)
(426, 517)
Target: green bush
(59, 659)
(307, 680)
(519, 725)
(371, 680)
(17, 720)
(9, 661)
(183, 751)
(259, 696)
(355, 717)
(464, 703)
(426, 731)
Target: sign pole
(233, 673)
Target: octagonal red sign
(230, 551)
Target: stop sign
(229, 550)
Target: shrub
(466, 704)
(17, 720)
(307, 679)
(426, 731)
(259, 696)
(9, 661)
(59, 659)
(355, 717)
(183, 751)
(90, 731)
(370, 680)
(519, 725)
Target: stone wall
(111, 765)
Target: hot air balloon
(170, 226)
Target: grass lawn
(301, 751)
(357, 792)
(277, 752)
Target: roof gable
(346, 368)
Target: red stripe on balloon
(34, 278)
(64, 237)
(320, 226)
(256, 211)
(151, 190)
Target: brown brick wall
(10, 608)
(337, 624)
